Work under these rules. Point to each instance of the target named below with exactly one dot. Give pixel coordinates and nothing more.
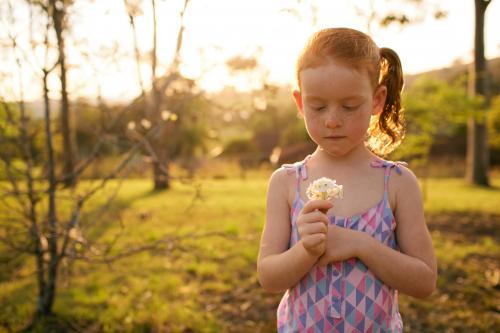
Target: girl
(342, 270)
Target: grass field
(204, 279)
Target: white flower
(324, 189)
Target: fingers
(313, 228)
(310, 241)
(313, 205)
(313, 217)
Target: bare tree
(156, 99)
(477, 159)
(27, 198)
(376, 18)
(29, 227)
(57, 11)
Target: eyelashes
(348, 108)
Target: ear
(298, 101)
(379, 98)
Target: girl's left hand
(341, 244)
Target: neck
(359, 156)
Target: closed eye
(319, 108)
(350, 107)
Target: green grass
(454, 195)
(205, 280)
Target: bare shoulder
(404, 186)
(281, 184)
(279, 176)
(405, 179)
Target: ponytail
(390, 125)
(383, 67)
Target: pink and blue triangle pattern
(343, 296)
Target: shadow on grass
(467, 293)
(52, 323)
(467, 227)
(17, 307)
(11, 263)
(466, 299)
(123, 201)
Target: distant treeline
(264, 127)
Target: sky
(215, 30)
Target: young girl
(342, 270)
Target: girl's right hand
(312, 225)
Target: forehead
(334, 79)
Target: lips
(335, 137)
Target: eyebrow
(317, 98)
(313, 98)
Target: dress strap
(300, 171)
(388, 165)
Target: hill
(457, 71)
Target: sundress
(344, 296)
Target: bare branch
(14, 183)
(75, 217)
(131, 15)
(16, 247)
(132, 153)
(166, 243)
(180, 34)
(83, 165)
(20, 211)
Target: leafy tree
(432, 108)
(494, 125)
(477, 144)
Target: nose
(333, 120)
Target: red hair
(382, 66)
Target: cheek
(311, 126)
(313, 121)
(360, 123)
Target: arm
(412, 271)
(278, 267)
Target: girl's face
(337, 102)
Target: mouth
(334, 137)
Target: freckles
(359, 125)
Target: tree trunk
(68, 144)
(161, 176)
(477, 159)
(155, 101)
(34, 230)
(47, 284)
(160, 165)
